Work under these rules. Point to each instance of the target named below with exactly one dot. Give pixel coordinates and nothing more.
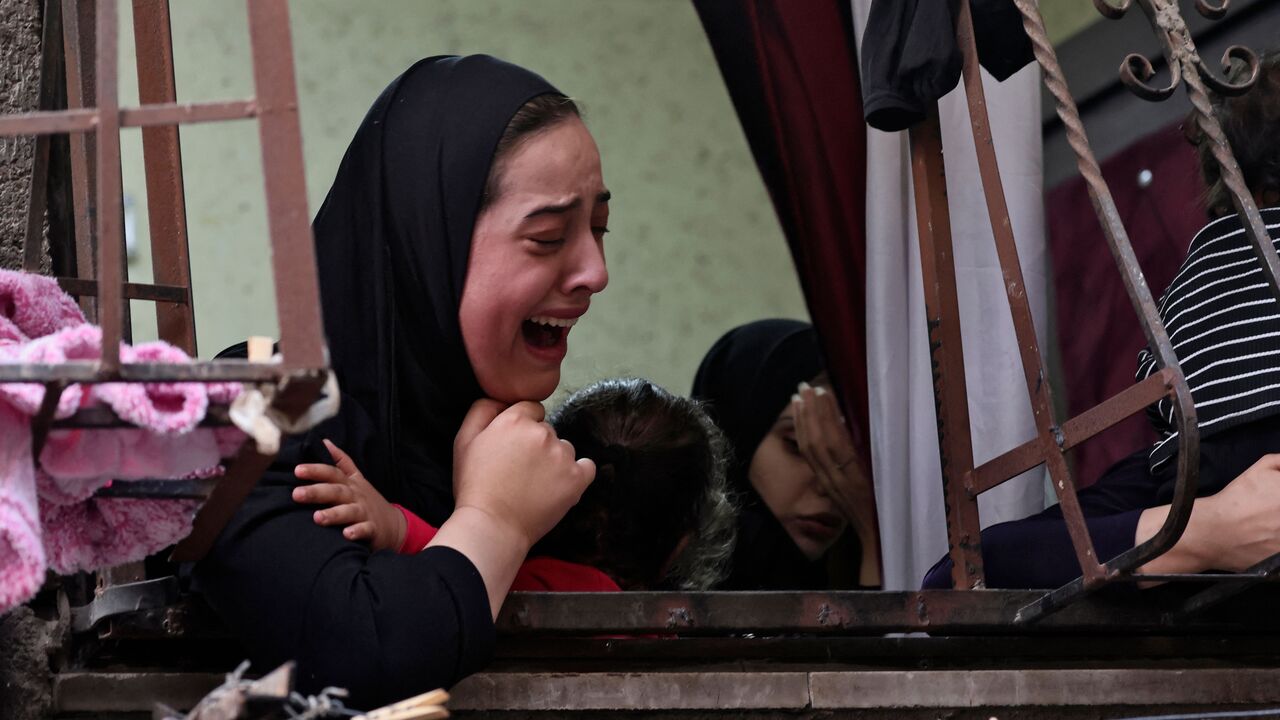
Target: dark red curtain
(1098, 331)
(791, 69)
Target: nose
(819, 488)
(587, 270)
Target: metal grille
(962, 482)
(81, 36)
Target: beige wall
(694, 247)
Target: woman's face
(790, 489)
(537, 257)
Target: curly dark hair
(1251, 123)
(660, 478)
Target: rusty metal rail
(789, 616)
(942, 309)
(849, 613)
(95, 174)
(962, 483)
(81, 38)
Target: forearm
(494, 547)
(1192, 553)
(382, 625)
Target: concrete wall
(694, 249)
(19, 91)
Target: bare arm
(493, 546)
(1233, 530)
(513, 481)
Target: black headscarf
(392, 243)
(747, 379)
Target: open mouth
(542, 331)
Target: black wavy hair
(1250, 123)
(660, 477)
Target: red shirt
(537, 574)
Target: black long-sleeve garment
(392, 243)
(1036, 552)
(1226, 359)
(910, 58)
(383, 625)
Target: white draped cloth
(904, 439)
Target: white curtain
(904, 436)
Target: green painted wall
(1064, 18)
(694, 249)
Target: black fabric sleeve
(1036, 552)
(910, 58)
(382, 625)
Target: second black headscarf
(392, 244)
(747, 379)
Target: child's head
(1249, 122)
(658, 513)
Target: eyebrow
(559, 208)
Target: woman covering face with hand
(461, 240)
(800, 482)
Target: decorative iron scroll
(963, 483)
(1185, 68)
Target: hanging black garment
(910, 57)
(746, 380)
(392, 243)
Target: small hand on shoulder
(352, 501)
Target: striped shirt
(1224, 323)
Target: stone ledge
(780, 690)
(633, 691)
(1040, 688)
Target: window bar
(90, 31)
(839, 614)
(955, 444)
(1144, 305)
(1034, 370)
(292, 246)
(1075, 431)
(43, 420)
(1266, 571)
(162, 157)
(78, 42)
(1187, 67)
(292, 249)
(110, 242)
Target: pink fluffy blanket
(49, 516)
